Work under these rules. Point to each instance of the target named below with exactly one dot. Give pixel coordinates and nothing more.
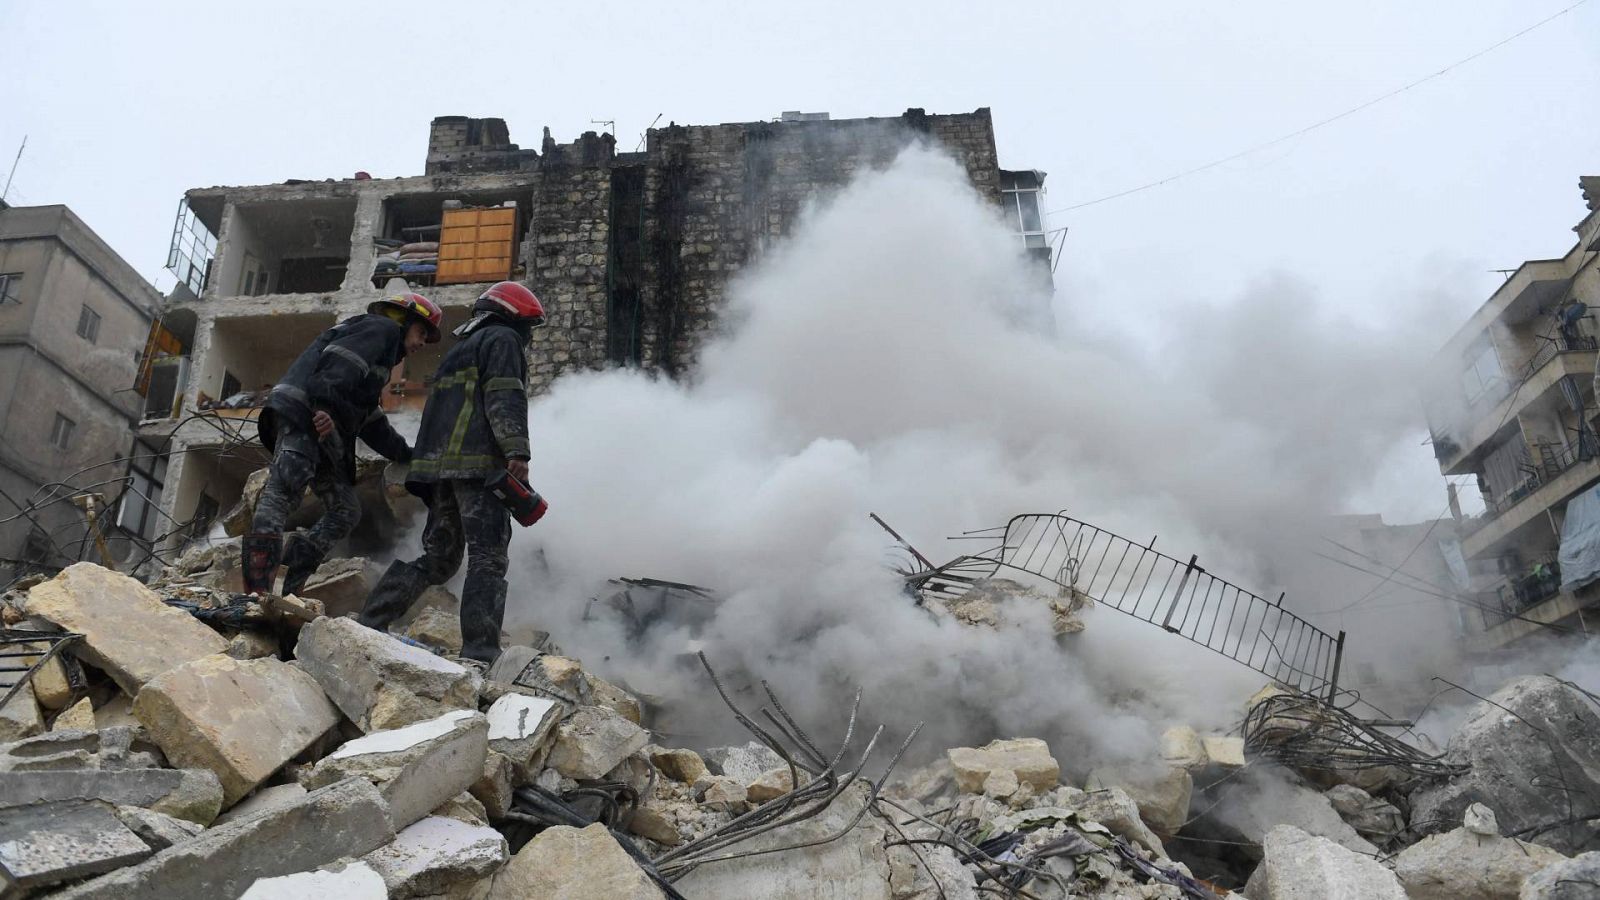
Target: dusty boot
(483, 606)
(260, 551)
(300, 560)
(401, 585)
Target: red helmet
(512, 298)
(417, 305)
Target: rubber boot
(483, 607)
(260, 552)
(401, 585)
(300, 560)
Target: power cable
(1324, 122)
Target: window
(88, 324)
(61, 432)
(1020, 194)
(1483, 370)
(141, 502)
(10, 292)
(230, 385)
(254, 279)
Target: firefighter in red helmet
(474, 426)
(328, 399)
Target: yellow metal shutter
(476, 245)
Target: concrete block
(1028, 758)
(593, 741)
(1301, 866)
(771, 785)
(1224, 752)
(158, 830)
(520, 726)
(264, 799)
(252, 645)
(242, 719)
(604, 693)
(1163, 795)
(380, 682)
(20, 717)
(679, 765)
(127, 631)
(50, 843)
(493, 789)
(417, 767)
(347, 819)
(1181, 747)
(77, 717)
(437, 856)
(564, 863)
(437, 628)
(194, 794)
(345, 880)
(342, 584)
(1461, 865)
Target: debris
(1460, 865)
(1028, 759)
(20, 717)
(1377, 821)
(242, 719)
(347, 819)
(437, 628)
(564, 863)
(192, 794)
(437, 856)
(77, 717)
(493, 788)
(520, 727)
(1530, 747)
(1480, 819)
(433, 597)
(679, 765)
(49, 843)
(380, 682)
(1301, 866)
(342, 585)
(604, 693)
(158, 830)
(463, 807)
(1182, 748)
(1577, 878)
(1162, 795)
(418, 767)
(771, 785)
(1113, 808)
(743, 763)
(1259, 799)
(720, 792)
(263, 799)
(113, 748)
(650, 821)
(343, 880)
(127, 630)
(1224, 752)
(592, 741)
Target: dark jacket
(477, 412)
(342, 373)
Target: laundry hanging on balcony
(1580, 541)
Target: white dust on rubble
(883, 358)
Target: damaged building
(1513, 407)
(631, 253)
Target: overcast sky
(126, 105)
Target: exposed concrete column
(369, 218)
(223, 254)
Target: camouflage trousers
(464, 517)
(299, 460)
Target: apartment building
(73, 322)
(1513, 405)
(630, 251)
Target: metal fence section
(1136, 579)
(23, 652)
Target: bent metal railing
(1145, 583)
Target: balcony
(1531, 619)
(1557, 475)
(1514, 595)
(1494, 415)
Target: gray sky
(127, 105)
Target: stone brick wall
(565, 254)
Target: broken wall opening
(211, 481)
(287, 247)
(164, 368)
(408, 241)
(249, 353)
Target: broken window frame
(89, 324)
(1477, 380)
(8, 285)
(61, 432)
(192, 249)
(1017, 206)
(147, 476)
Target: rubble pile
(190, 742)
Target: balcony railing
(1520, 593)
(1556, 346)
(1551, 462)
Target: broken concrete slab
(563, 863)
(743, 763)
(342, 585)
(378, 681)
(417, 767)
(1577, 878)
(493, 788)
(127, 631)
(1260, 798)
(343, 880)
(1461, 865)
(651, 821)
(1530, 728)
(520, 726)
(1224, 752)
(720, 792)
(1163, 794)
(158, 830)
(1027, 758)
(463, 807)
(437, 628)
(121, 747)
(604, 693)
(242, 719)
(435, 596)
(933, 872)
(252, 645)
(592, 741)
(1113, 808)
(437, 856)
(192, 794)
(20, 717)
(1373, 819)
(1301, 866)
(685, 766)
(264, 799)
(115, 712)
(49, 843)
(347, 819)
(77, 717)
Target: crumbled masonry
(270, 750)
